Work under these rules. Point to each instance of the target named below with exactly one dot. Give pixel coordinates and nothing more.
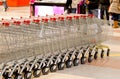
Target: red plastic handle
(61, 18)
(6, 24)
(36, 20)
(76, 17)
(69, 17)
(18, 22)
(45, 19)
(27, 22)
(53, 19)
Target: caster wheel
(53, 68)
(8, 78)
(102, 54)
(69, 64)
(90, 59)
(83, 59)
(28, 75)
(108, 52)
(45, 70)
(5, 76)
(96, 55)
(61, 65)
(76, 62)
(19, 77)
(37, 73)
(13, 77)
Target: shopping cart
(39, 45)
(25, 43)
(92, 30)
(104, 32)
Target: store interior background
(17, 3)
(106, 68)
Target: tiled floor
(14, 12)
(106, 68)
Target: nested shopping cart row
(33, 46)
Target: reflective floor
(106, 68)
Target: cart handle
(45, 19)
(53, 19)
(61, 18)
(69, 17)
(36, 20)
(6, 24)
(17, 22)
(76, 17)
(26, 22)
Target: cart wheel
(61, 65)
(90, 59)
(96, 55)
(45, 70)
(83, 59)
(8, 78)
(69, 64)
(76, 62)
(13, 77)
(37, 73)
(19, 76)
(102, 54)
(108, 52)
(5, 75)
(53, 68)
(28, 75)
